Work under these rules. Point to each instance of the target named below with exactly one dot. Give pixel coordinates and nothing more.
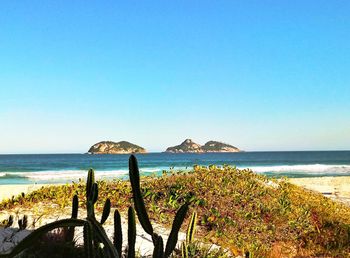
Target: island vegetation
(109, 147)
(188, 146)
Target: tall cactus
(70, 230)
(131, 233)
(158, 251)
(118, 235)
(172, 240)
(143, 217)
(106, 211)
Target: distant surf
(65, 168)
(303, 170)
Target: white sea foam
(63, 174)
(52, 175)
(310, 169)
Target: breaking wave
(312, 169)
(54, 175)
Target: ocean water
(62, 168)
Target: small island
(109, 147)
(188, 146)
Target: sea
(66, 168)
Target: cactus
(118, 236)
(70, 230)
(184, 250)
(191, 228)
(89, 182)
(158, 246)
(75, 204)
(172, 240)
(106, 211)
(87, 231)
(189, 235)
(142, 215)
(131, 233)
(32, 238)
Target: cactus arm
(94, 193)
(30, 239)
(142, 215)
(118, 235)
(88, 243)
(75, 204)
(106, 211)
(91, 200)
(184, 250)
(191, 228)
(70, 230)
(158, 251)
(90, 181)
(102, 237)
(131, 233)
(172, 240)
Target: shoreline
(334, 187)
(7, 191)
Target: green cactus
(106, 211)
(70, 230)
(89, 182)
(32, 238)
(118, 236)
(158, 251)
(88, 246)
(172, 240)
(184, 250)
(189, 236)
(191, 228)
(142, 215)
(131, 233)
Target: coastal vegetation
(239, 210)
(96, 241)
(188, 146)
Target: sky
(260, 75)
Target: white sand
(7, 191)
(337, 188)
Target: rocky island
(188, 146)
(109, 147)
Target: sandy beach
(7, 191)
(337, 188)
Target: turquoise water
(59, 168)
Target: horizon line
(160, 152)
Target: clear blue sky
(261, 75)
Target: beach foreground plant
(237, 209)
(96, 241)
